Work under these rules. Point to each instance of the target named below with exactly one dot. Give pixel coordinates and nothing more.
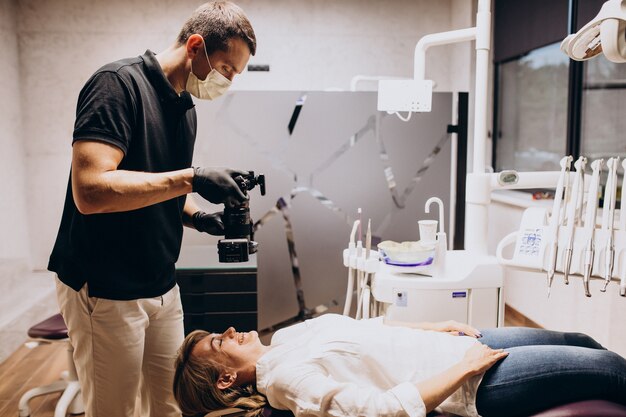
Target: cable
(404, 119)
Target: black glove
(208, 223)
(217, 185)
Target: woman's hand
(456, 328)
(481, 357)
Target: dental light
(605, 33)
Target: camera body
(238, 241)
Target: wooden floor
(513, 318)
(29, 368)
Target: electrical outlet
(263, 68)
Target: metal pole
(575, 90)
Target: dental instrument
(555, 219)
(368, 239)
(359, 212)
(622, 227)
(347, 254)
(581, 193)
(359, 243)
(362, 263)
(572, 206)
(364, 294)
(365, 301)
(608, 217)
(359, 273)
(590, 222)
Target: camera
(238, 242)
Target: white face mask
(213, 86)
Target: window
(604, 109)
(532, 111)
(536, 86)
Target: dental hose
(352, 247)
(349, 292)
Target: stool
(53, 329)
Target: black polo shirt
(128, 255)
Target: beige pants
(124, 351)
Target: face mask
(213, 86)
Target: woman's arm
(450, 326)
(477, 360)
(309, 391)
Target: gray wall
(330, 165)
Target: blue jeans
(545, 369)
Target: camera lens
(237, 222)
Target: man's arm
(99, 187)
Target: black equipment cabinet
(216, 295)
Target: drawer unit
(207, 280)
(219, 302)
(214, 295)
(219, 322)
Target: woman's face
(238, 351)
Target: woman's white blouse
(337, 366)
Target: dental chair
(53, 330)
(590, 408)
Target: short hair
(195, 384)
(218, 22)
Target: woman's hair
(217, 22)
(195, 384)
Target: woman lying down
(336, 366)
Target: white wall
(14, 244)
(25, 298)
(567, 309)
(309, 45)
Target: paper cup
(428, 231)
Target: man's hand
(456, 328)
(218, 185)
(481, 357)
(208, 223)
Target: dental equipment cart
(470, 292)
(425, 281)
(216, 295)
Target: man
(127, 202)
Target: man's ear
(226, 379)
(193, 45)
